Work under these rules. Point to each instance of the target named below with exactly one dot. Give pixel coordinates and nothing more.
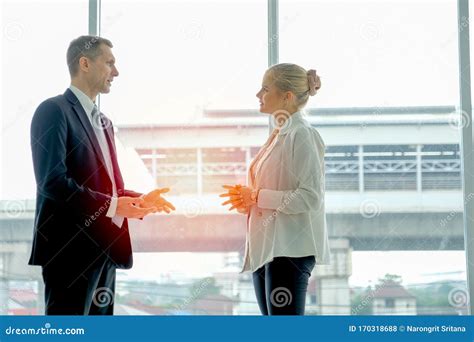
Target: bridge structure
(393, 182)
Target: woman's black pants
(281, 285)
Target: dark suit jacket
(74, 189)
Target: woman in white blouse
(284, 200)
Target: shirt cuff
(270, 199)
(116, 219)
(112, 208)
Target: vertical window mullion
(467, 162)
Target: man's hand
(153, 199)
(130, 207)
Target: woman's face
(271, 98)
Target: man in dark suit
(81, 232)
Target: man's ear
(84, 64)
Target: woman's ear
(289, 96)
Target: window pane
(385, 111)
(185, 103)
(36, 35)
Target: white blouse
(289, 218)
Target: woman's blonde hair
(292, 77)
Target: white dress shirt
(289, 218)
(88, 106)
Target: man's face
(103, 70)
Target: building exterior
(404, 149)
(391, 298)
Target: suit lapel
(81, 114)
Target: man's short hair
(84, 46)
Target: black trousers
(281, 285)
(80, 290)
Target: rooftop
(343, 116)
(391, 289)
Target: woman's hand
(243, 210)
(240, 197)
